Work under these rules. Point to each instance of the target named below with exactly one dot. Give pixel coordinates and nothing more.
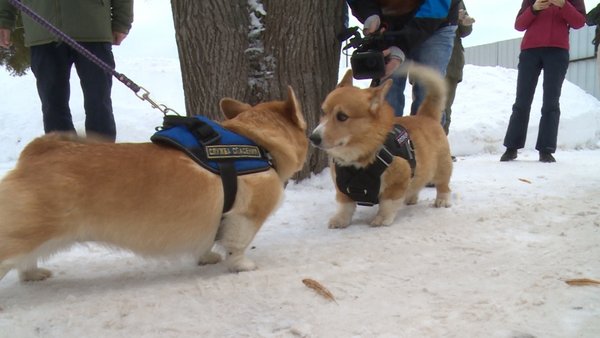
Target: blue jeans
(554, 62)
(51, 64)
(435, 52)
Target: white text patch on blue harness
(214, 152)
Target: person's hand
(464, 18)
(371, 24)
(395, 57)
(118, 37)
(558, 3)
(5, 38)
(540, 5)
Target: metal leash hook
(145, 96)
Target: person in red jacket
(545, 45)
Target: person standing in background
(424, 32)
(593, 19)
(545, 46)
(96, 25)
(454, 71)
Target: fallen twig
(320, 289)
(582, 282)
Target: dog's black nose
(315, 139)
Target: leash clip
(145, 96)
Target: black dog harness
(215, 148)
(362, 184)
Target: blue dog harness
(362, 184)
(215, 148)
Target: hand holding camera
(371, 25)
(464, 18)
(540, 5)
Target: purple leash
(144, 96)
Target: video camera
(367, 60)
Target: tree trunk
(252, 50)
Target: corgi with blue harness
(199, 183)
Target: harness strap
(206, 135)
(362, 184)
(203, 132)
(399, 144)
(229, 180)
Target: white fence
(582, 70)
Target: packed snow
(495, 264)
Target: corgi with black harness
(358, 129)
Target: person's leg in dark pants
(529, 69)
(96, 85)
(556, 62)
(395, 96)
(51, 64)
(452, 84)
(434, 52)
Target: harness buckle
(205, 134)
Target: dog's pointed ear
(231, 107)
(346, 80)
(379, 94)
(295, 111)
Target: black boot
(509, 155)
(546, 157)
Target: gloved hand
(371, 24)
(395, 58)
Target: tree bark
(251, 50)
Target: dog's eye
(341, 117)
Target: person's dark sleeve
(592, 18)
(430, 16)
(7, 15)
(122, 15)
(362, 9)
(464, 31)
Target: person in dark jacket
(423, 31)
(593, 19)
(545, 46)
(96, 25)
(454, 71)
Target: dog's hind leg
(414, 187)
(23, 254)
(209, 257)
(442, 181)
(5, 267)
(29, 270)
(236, 233)
(442, 198)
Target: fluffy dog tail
(435, 100)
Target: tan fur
(356, 140)
(150, 199)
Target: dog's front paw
(411, 200)
(240, 263)
(442, 202)
(338, 222)
(379, 221)
(33, 275)
(210, 257)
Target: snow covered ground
(492, 265)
